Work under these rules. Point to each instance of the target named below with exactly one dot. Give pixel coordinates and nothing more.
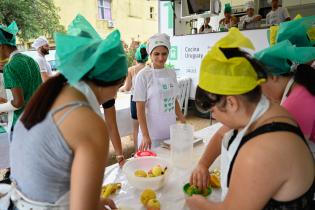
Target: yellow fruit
(147, 195)
(109, 189)
(153, 204)
(157, 171)
(150, 174)
(140, 173)
(215, 181)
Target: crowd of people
(251, 20)
(59, 137)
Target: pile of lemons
(149, 200)
(154, 172)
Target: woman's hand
(145, 144)
(105, 203)
(197, 202)
(200, 177)
(122, 162)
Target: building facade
(136, 19)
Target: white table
(171, 195)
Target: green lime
(191, 190)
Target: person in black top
(205, 28)
(265, 161)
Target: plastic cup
(181, 145)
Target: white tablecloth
(124, 121)
(4, 151)
(171, 195)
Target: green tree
(33, 17)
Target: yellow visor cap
(224, 76)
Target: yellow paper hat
(233, 76)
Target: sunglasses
(204, 100)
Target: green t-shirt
(22, 72)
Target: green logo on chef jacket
(173, 53)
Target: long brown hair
(41, 102)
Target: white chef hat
(158, 40)
(39, 42)
(269, 1)
(250, 5)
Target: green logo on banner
(173, 53)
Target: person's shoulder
(145, 72)
(281, 8)
(85, 114)
(300, 97)
(269, 13)
(171, 72)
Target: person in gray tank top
(60, 144)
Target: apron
(21, 201)
(160, 109)
(286, 91)
(228, 154)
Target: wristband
(7, 107)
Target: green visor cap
(83, 52)
(8, 34)
(276, 58)
(227, 8)
(138, 56)
(296, 31)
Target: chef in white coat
(277, 14)
(250, 20)
(155, 93)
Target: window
(151, 12)
(104, 12)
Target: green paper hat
(138, 56)
(83, 52)
(276, 58)
(227, 8)
(8, 34)
(296, 31)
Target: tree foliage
(33, 17)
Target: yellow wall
(131, 17)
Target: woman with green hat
(60, 145)
(265, 161)
(291, 82)
(229, 20)
(141, 57)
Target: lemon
(147, 195)
(157, 171)
(140, 173)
